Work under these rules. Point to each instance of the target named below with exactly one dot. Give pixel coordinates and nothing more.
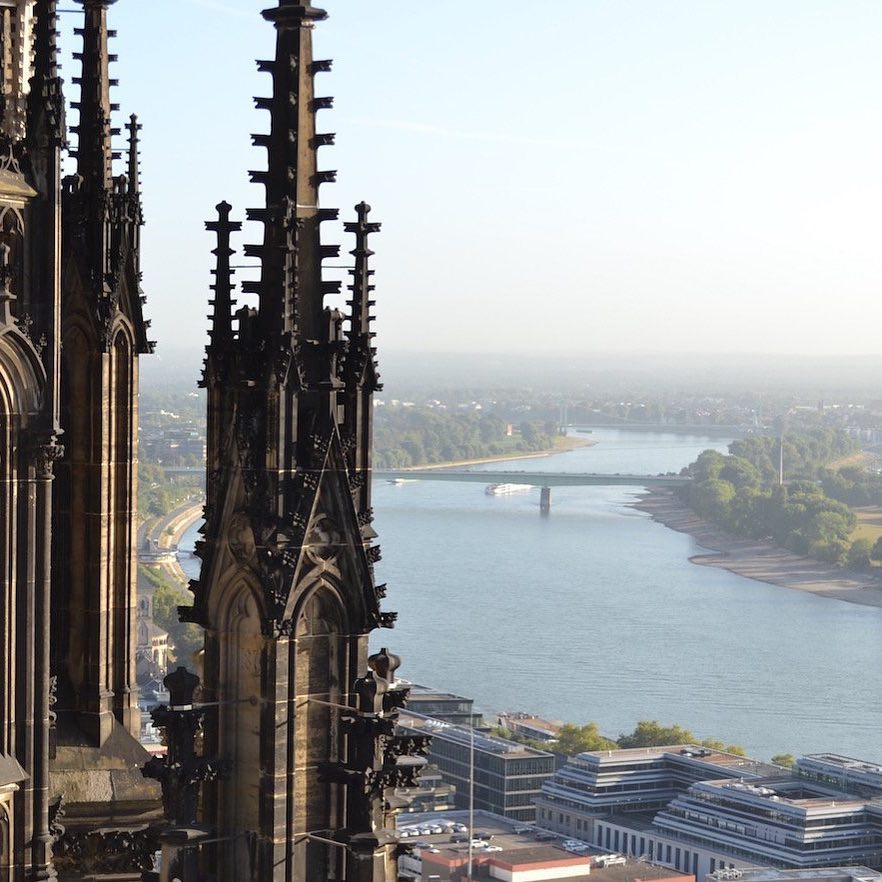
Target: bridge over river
(538, 479)
(545, 480)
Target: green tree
(784, 759)
(708, 465)
(859, 554)
(740, 472)
(186, 637)
(876, 553)
(650, 733)
(711, 498)
(574, 739)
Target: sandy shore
(571, 442)
(759, 560)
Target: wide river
(596, 613)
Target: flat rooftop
(426, 692)
(718, 758)
(847, 763)
(821, 874)
(792, 791)
(550, 726)
(463, 735)
(520, 848)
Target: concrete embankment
(760, 560)
(168, 530)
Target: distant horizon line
(179, 350)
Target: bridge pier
(545, 501)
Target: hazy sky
(577, 175)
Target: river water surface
(595, 613)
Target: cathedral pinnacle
(361, 274)
(94, 151)
(45, 99)
(221, 318)
(134, 168)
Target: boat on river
(506, 489)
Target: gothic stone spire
(94, 150)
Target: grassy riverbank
(760, 561)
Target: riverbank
(564, 445)
(759, 560)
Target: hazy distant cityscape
(559, 761)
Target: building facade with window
(747, 815)
(508, 776)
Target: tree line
(739, 492)
(806, 452)
(412, 436)
(573, 739)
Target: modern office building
(700, 811)
(529, 726)
(445, 706)
(508, 776)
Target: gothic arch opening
(241, 647)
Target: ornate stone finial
(360, 352)
(222, 314)
(134, 181)
(181, 685)
(384, 664)
(182, 771)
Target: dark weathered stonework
(287, 594)
(69, 253)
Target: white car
(492, 848)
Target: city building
(506, 850)
(508, 776)
(700, 811)
(529, 726)
(443, 706)
(152, 647)
(432, 794)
